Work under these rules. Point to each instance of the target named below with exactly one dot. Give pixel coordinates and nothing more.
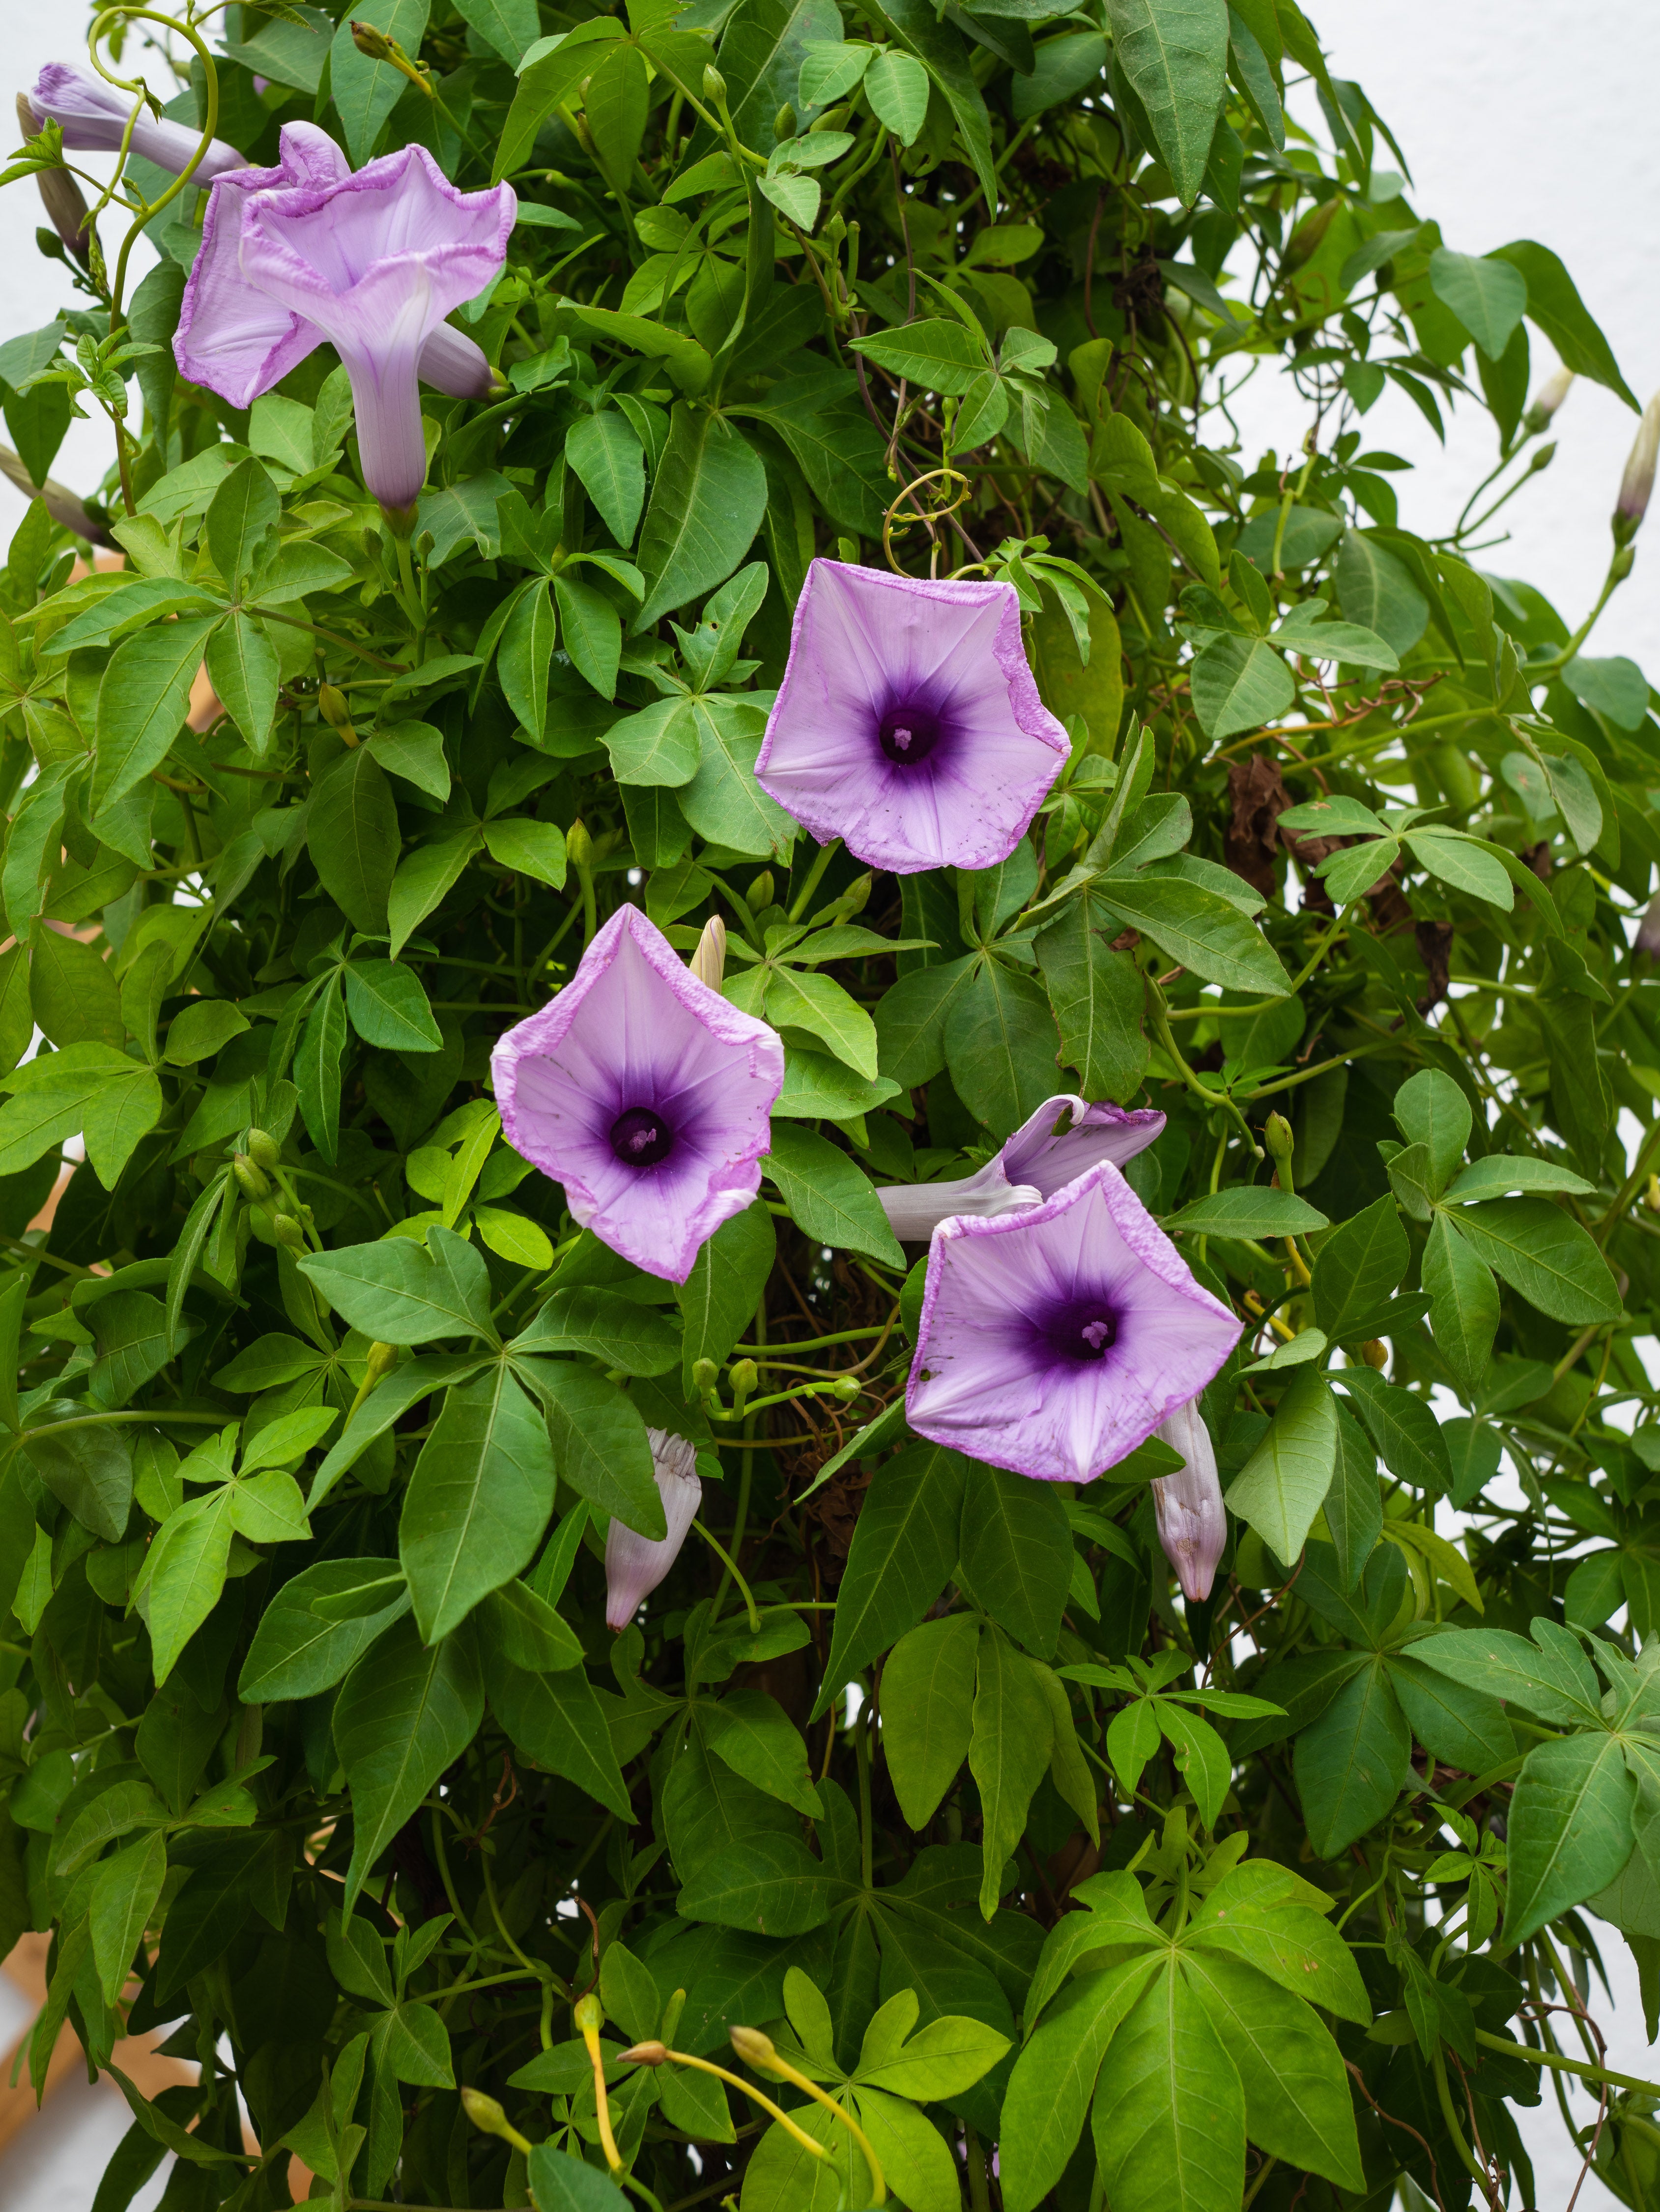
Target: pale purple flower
(646, 1094)
(907, 723)
(1188, 1507)
(635, 1564)
(1055, 1340)
(1060, 1141)
(93, 117)
(1647, 939)
(372, 261)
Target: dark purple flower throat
(641, 1137)
(908, 732)
(1078, 1330)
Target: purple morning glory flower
(907, 723)
(1188, 1507)
(1059, 1141)
(93, 117)
(646, 1094)
(372, 261)
(635, 1564)
(1054, 1339)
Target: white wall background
(1520, 119)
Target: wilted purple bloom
(907, 723)
(372, 262)
(93, 117)
(635, 1564)
(1053, 1340)
(1188, 1507)
(1647, 939)
(646, 1094)
(1060, 1141)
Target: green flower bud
(784, 123)
(744, 1377)
(249, 1179)
(714, 87)
(704, 1376)
(854, 899)
(287, 1230)
(846, 1388)
(758, 896)
(589, 2014)
(1276, 1135)
(752, 2046)
(579, 848)
(263, 1148)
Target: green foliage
(321, 1411)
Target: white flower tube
(635, 1564)
(1038, 1160)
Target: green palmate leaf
(728, 1279)
(1168, 2118)
(1015, 1553)
(929, 1681)
(352, 832)
(478, 1501)
(608, 1327)
(608, 456)
(1199, 929)
(1009, 1754)
(1489, 297)
(599, 1442)
(944, 53)
(1054, 2079)
(402, 1292)
(1096, 997)
(1250, 1212)
(295, 1652)
(1352, 1763)
(1544, 1253)
(905, 1547)
(755, 1737)
(558, 1721)
(1570, 1829)
(1000, 1045)
(124, 1899)
(1239, 683)
(1298, 2102)
(1281, 1487)
(1173, 55)
(1464, 1309)
(809, 1001)
(142, 702)
(1358, 1267)
(939, 354)
(707, 500)
(828, 1195)
(1554, 305)
(403, 1714)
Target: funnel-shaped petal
(372, 262)
(907, 723)
(1059, 1141)
(1054, 1339)
(93, 117)
(1188, 1507)
(635, 1564)
(646, 1094)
